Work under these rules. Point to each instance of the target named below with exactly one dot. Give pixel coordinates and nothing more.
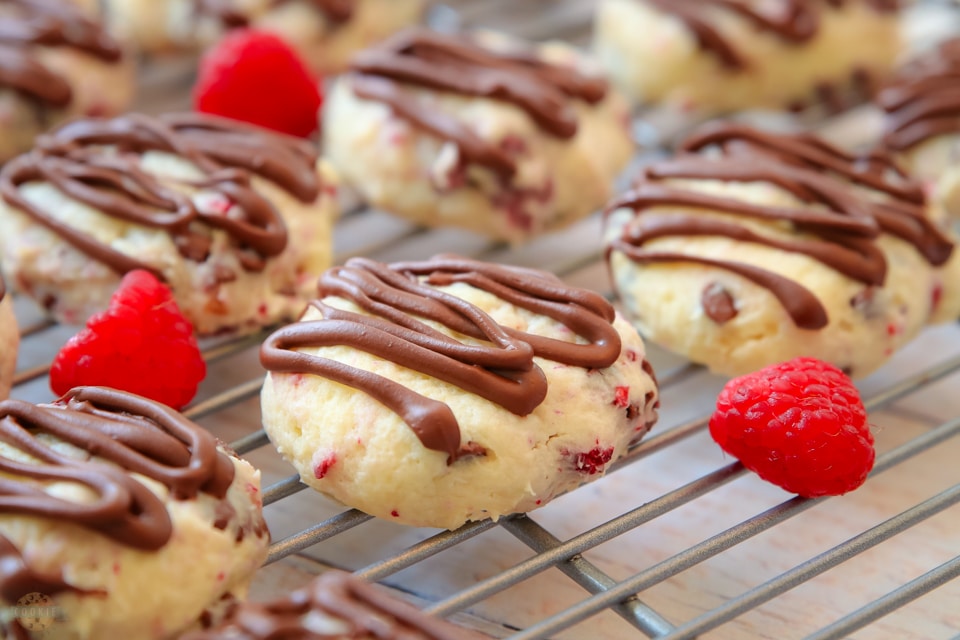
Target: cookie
(438, 392)
(477, 132)
(236, 219)
(750, 248)
(325, 32)
(922, 121)
(706, 57)
(9, 341)
(122, 517)
(335, 605)
(58, 62)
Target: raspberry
(256, 77)
(141, 344)
(800, 425)
(594, 461)
(621, 397)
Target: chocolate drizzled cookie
(748, 248)
(399, 297)
(335, 605)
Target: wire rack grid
(676, 542)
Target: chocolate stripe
(845, 223)
(74, 160)
(458, 64)
(923, 101)
(366, 611)
(500, 369)
(231, 14)
(49, 23)
(795, 21)
(137, 435)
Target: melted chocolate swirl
(73, 159)
(231, 15)
(458, 64)
(49, 23)
(136, 435)
(398, 296)
(796, 21)
(365, 610)
(902, 213)
(17, 579)
(841, 232)
(924, 100)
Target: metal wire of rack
(620, 596)
(626, 594)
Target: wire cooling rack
(676, 541)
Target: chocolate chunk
(717, 303)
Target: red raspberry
(141, 344)
(594, 461)
(256, 77)
(800, 425)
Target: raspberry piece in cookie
(437, 392)
(800, 425)
(141, 344)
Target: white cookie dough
(922, 122)
(100, 587)
(326, 44)
(396, 165)
(694, 303)
(98, 85)
(355, 449)
(217, 293)
(9, 345)
(656, 58)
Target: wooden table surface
(653, 472)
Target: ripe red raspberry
(256, 77)
(141, 344)
(800, 425)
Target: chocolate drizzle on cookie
(902, 213)
(795, 21)
(335, 10)
(17, 579)
(136, 435)
(840, 230)
(923, 101)
(231, 15)
(98, 162)
(25, 24)
(459, 64)
(355, 609)
(399, 298)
